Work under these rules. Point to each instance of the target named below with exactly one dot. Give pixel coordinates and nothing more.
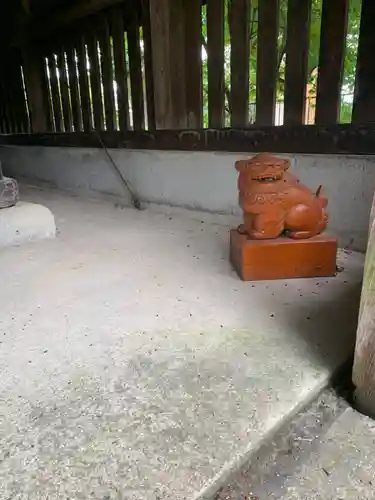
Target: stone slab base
(25, 222)
(282, 258)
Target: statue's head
(263, 167)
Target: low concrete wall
(205, 181)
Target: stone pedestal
(282, 258)
(25, 222)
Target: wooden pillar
(167, 40)
(364, 359)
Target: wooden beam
(135, 70)
(107, 72)
(168, 63)
(193, 62)
(74, 86)
(55, 94)
(312, 139)
(83, 79)
(121, 72)
(96, 83)
(64, 88)
(268, 22)
(239, 62)
(364, 95)
(149, 74)
(297, 51)
(331, 60)
(215, 63)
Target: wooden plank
(5, 108)
(313, 139)
(74, 88)
(268, 17)
(97, 101)
(168, 58)
(159, 23)
(64, 88)
(215, 63)
(16, 92)
(83, 79)
(331, 60)
(55, 94)
(37, 90)
(297, 52)
(107, 73)
(239, 62)
(364, 96)
(149, 76)
(364, 357)
(118, 36)
(193, 62)
(135, 69)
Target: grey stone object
(9, 191)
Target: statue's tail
(323, 200)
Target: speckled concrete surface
(136, 365)
(341, 467)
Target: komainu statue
(275, 203)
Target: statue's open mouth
(266, 178)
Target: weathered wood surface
(193, 62)
(74, 87)
(168, 61)
(331, 60)
(268, 26)
(335, 139)
(364, 360)
(364, 95)
(121, 73)
(215, 63)
(135, 70)
(107, 72)
(239, 24)
(297, 51)
(149, 75)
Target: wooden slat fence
(192, 64)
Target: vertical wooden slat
(268, 16)
(118, 32)
(168, 61)
(135, 70)
(18, 102)
(193, 62)
(64, 87)
(215, 63)
(297, 51)
(107, 73)
(364, 96)
(55, 94)
(239, 62)
(331, 61)
(97, 103)
(147, 48)
(83, 82)
(6, 103)
(37, 90)
(74, 87)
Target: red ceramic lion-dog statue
(275, 203)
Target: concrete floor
(136, 365)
